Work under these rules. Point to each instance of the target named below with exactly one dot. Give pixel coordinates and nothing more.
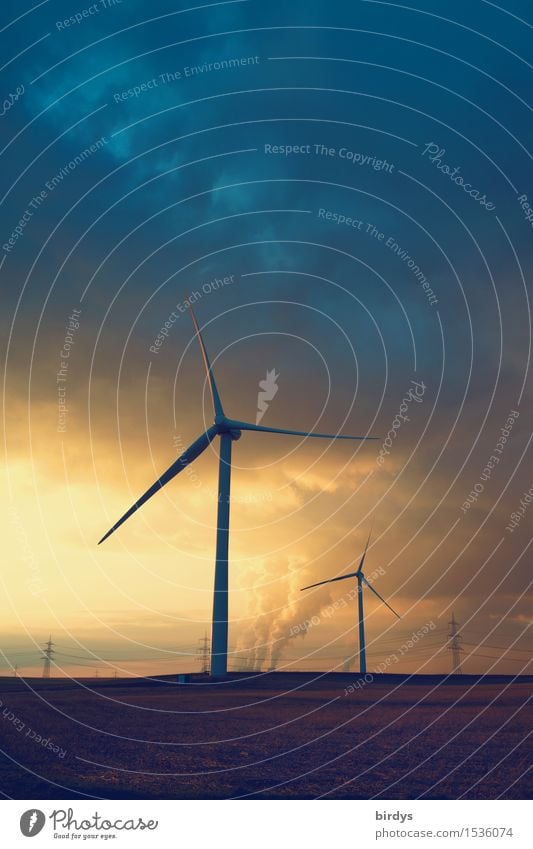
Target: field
(281, 735)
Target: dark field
(280, 735)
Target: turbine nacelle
(225, 425)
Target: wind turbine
(360, 581)
(228, 430)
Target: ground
(281, 735)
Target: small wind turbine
(228, 430)
(360, 581)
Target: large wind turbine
(228, 430)
(360, 581)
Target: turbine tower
(360, 581)
(228, 430)
(48, 653)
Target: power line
(503, 659)
(499, 648)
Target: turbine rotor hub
(225, 425)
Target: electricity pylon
(48, 653)
(455, 645)
(205, 654)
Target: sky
(343, 190)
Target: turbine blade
(262, 429)
(370, 587)
(330, 581)
(360, 567)
(192, 452)
(217, 403)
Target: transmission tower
(48, 654)
(204, 654)
(455, 645)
